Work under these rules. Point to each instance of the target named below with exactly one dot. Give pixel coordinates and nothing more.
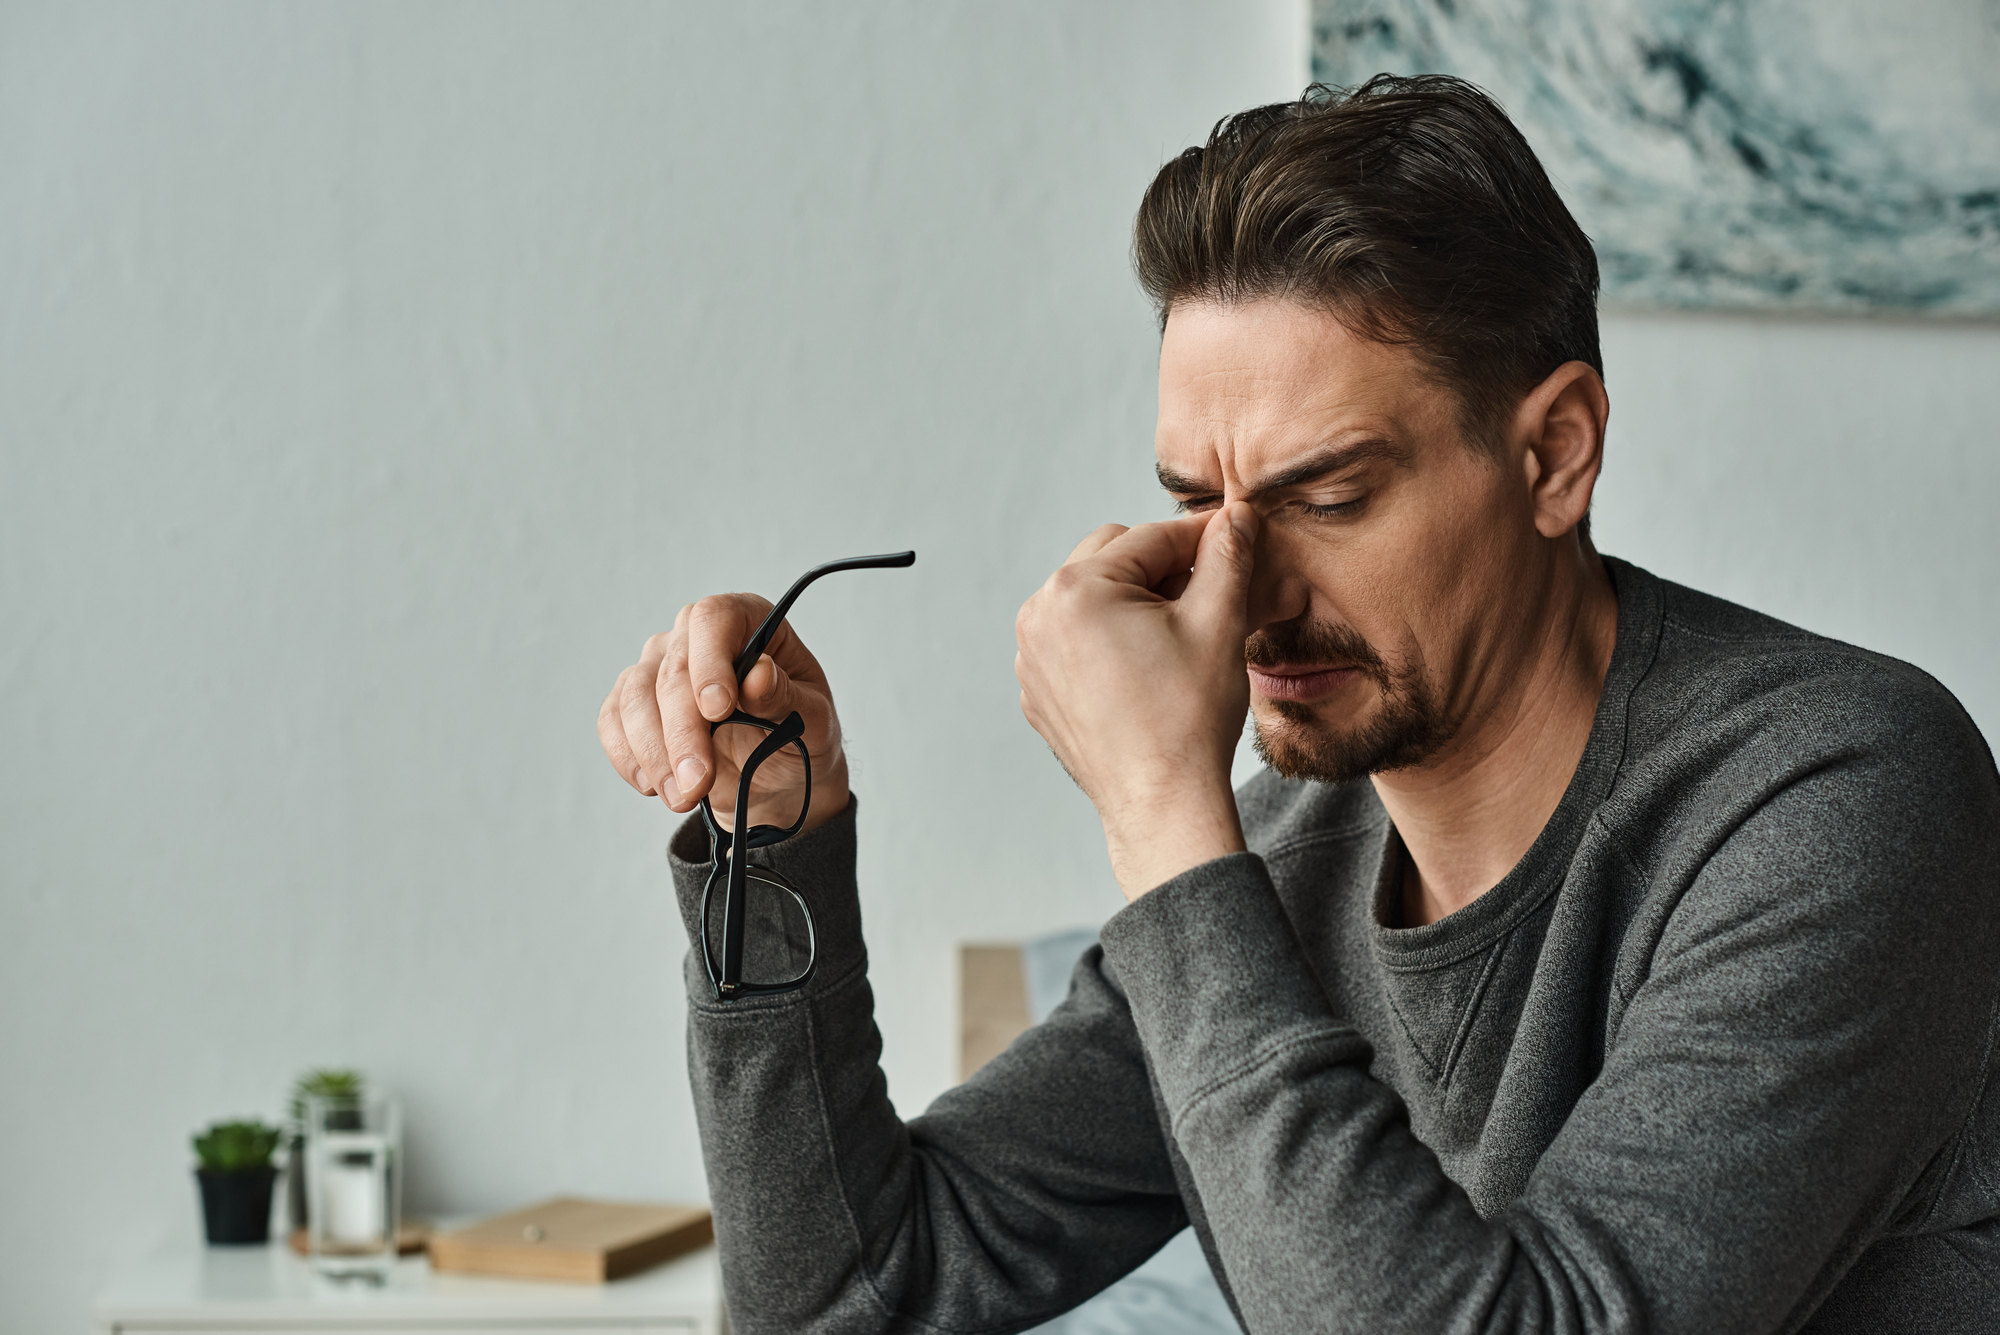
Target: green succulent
(236, 1147)
(326, 1083)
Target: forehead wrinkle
(1272, 448)
(1232, 403)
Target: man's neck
(1470, 814)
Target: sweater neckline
(1541, 870)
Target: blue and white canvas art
(1831, 155)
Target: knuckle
(709, 627)
(644, 741)
(1028, 623)
(715, 605)
(681, 742)
(673, 669)
(676, 702)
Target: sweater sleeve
(1013, 1198)
(1805, 1043)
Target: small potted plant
(326, 1084)
(236, 1176)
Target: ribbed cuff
(819, 864)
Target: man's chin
(1293, 740)
(1309, 741)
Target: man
(1594, 955)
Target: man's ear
(1562, 424)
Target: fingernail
(670, 794)
(714, 703)
(688, 773)
(645, 784)
(1239, 520)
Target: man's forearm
(787, 1246)
(1328, 1212)
(1761, 1113)
(1011, 1199)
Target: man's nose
(1277, 590)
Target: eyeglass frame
(730, 848)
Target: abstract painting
(1823, 155)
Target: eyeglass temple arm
(775, 741)
(748, 658)
(736, 899)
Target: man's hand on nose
(1131, 668)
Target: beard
(1407, 730)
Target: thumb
(1219, 588)
(768, 689)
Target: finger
(1219, 586)
(1150, 554)
(639, 713)
(789, 653)
(611, 735)
(768, 689)
(1096, 542)
(772, 692)
(718, 628)
(686, 737)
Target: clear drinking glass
(354, 1186)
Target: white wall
(1841, 474)
(373, 378)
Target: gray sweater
(1713, 1057)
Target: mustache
(1317, 642)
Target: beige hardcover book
(568, 1238)
(992, 1003)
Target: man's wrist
(830, 796)
(829, 799)
(1151, 842)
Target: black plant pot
(237, 1206)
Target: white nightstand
(252, 1290)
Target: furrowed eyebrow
(1336, 460)
(1180, 483)
(1310, 469)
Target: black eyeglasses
(786, 951)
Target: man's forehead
(1252, 388)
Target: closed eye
(1194, 505)
(1330, 510)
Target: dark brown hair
(1410, 208)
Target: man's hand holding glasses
(655, 724)
(739, 722)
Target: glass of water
(354, 1186)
